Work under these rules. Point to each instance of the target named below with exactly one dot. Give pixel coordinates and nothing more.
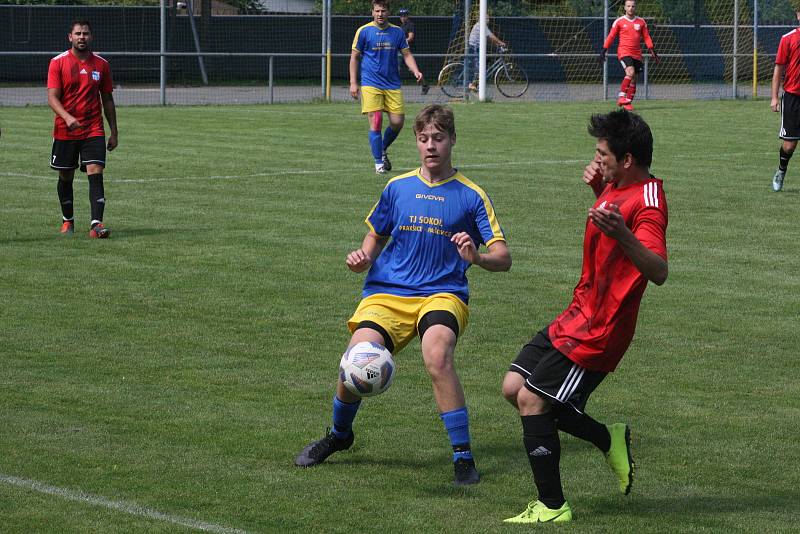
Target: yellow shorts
(374, 99)
(399, 316)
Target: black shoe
(318, 451)
(425, 89)
(387, 165)
(465, 472)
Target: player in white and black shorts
(628, 61)
(549, 373)
(790, 117)
(73, 153)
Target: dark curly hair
(625, 133)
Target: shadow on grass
(696, 504)
(116, 234)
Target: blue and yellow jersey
(378, 49)
(421, 217)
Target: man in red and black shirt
(624, 248)
(631, 30)
(79, 90)
(787, 68)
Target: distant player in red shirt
(787, 68)
(631, 30)
(624, 248)
(79, 90)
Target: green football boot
(537, 512)
(619, 457)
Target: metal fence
(165, 56)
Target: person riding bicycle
(474, 43)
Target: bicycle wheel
(451, 80)
(511, 80)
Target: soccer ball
(367, 369)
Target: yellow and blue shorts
(374, 99)
(400, 316)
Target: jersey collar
(436, 184)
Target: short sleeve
(650, 223)
(782, 57)
(486, 220)
(106, 83)
(53, 75)
(379, 219)
(359, 41)
(402, 43)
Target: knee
(439, 364)
(375, 120)
(512, 383)
(398, 123)
(530, 403)
(93, 170)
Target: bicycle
(509, 78)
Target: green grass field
(178, 367)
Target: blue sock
(376, 146)
(343, 415)
(388, 137)
(457, 424)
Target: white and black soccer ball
(367, 369)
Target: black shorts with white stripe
(553, 376)
(65, 153)
(790, 117)
(628, 61)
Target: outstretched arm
(362, 258)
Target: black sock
(96, 196)
(65, 198)
(582, 426)
(544, 453)
(783, 159)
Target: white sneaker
(777, 180)
(380, 168)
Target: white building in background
(287, 6)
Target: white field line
(292, 172)
(494, 165)
(120, 506)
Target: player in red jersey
(79, 90)
(624, 248)
(787, 68)
(631, 30)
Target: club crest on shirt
(637, 27)
(95, 75)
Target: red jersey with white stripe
(597, 327)
(81, 83)
(631, 32)
(789, 56)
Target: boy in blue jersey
(375, 47)
(424, 233)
